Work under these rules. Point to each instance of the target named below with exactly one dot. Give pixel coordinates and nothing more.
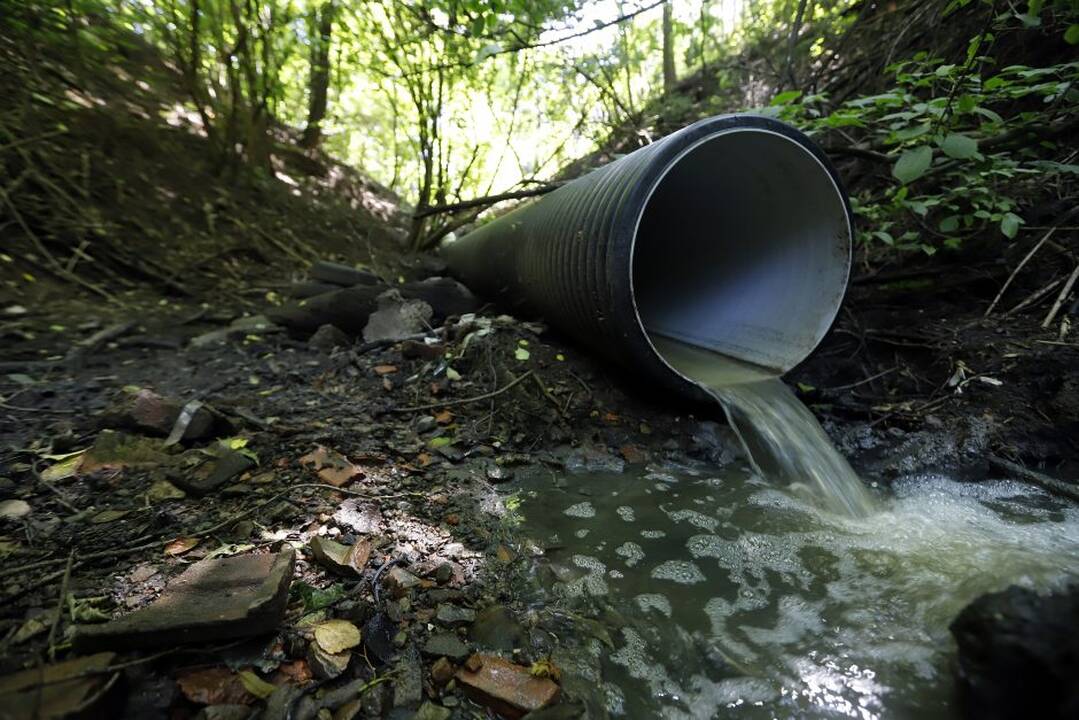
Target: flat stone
(442, 671)
(54, 691)
(401, 581)
(430, 711)
(359, 517)
(505, 687)
(445, 645)
(408, 680)
(454, 616)
(224, 464)
(444, 573)
(212, 600)
(326, 665)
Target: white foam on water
(679, 571)
(626, 513)
(692, 517)
(593, 583)
(582, 533)
(654, 601)
(631, 551)
(581, 510)
(653, 534)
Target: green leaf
(949, 224)
(959, 146)
(1009, 225)
(912, 164)
(1071, 35)
(477, 26)
(786, 98)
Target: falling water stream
(779, 587)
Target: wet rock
(446, 645)
(408, 679)
(454, 616)
(430, 711)
(561, 711)
(505, 687)
(326, 665)
(342, 275)
(328, 337)
(1019, 654)
(378, 633)
(442, 671)
(495, 628)
(591, 460)
(224, 712)
(376, 701)
(445, 295)
(444, 573)
(714, 442)
(144, 411)
(400, 582)
(212, 600)
(359, 517)
(56, 691)
(222, 466)
(499, 473)
(14, 509)
(426, 424)
(397, 318)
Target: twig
(60, 605)
(860, 382)
(1034, 297)
(1054, 486)
(1018, 267)
(35, 138)
(1064, 292)
(484, 201)
(477, 398)
(547, 394)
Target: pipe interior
(743, 249)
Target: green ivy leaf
(959, 146)
(1009, 225)
(912, 164)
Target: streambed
(693, 591)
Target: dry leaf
(108, 516)
(64, 469)
(256, 685)
(336, 636)
(331, 466)
(385, 369)
(180, 545)
(297, 672)
(214, 686)
(505, 555)
(444, 418)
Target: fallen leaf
(67, 689)
(163, 490)
(108, 516)
(385, 369)
(331, 466)
(336, 636)
(504, 554)
(444, 418)
(256, 685)
(521, 354)
(214, 686)
(180, 545)
(63, 469)
(297, 672)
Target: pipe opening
(742, 249)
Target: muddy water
(696, 592)
(782, 438)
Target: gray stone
(325, 665)
(430, 711)
(397, 318)
(496, 628)
(408, 679)
(427, 423)
(241, 326)
(359, 517)
(328, 337)
(212, 600)
(591, 460)
(224, 712)
(453, 616)
(446, 645)
(443, 573)
(223, 465)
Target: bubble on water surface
(631, 551)
(581, 510)
(653, 534)
(654, 601)
(626, 513)
(679, 571)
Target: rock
(425, 424)
(56, 691)
(224, 712)
(400, 581)
(446, 296)
(585, 460)
(328, 337)
(212, 600)
(442, 671)
(445, 645)
(496, 628)
(561, 711)
(376, 701)
(223, 464)
(326, 665)
(347, 560)
(378, 635)
(342, 275)
(444, 573)
(397, 318)
(408, 680)
(453, 616)
(505, 687)
(114, 450)
(14, 509)
(499, 474)
(1019, 654)
(359, 517)
(418, 350)
(144, 411)
(163, 490)
(241, 326)
(430, 711)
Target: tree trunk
(319, 85)
(669, 77)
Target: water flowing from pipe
(783, 440)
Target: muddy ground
(396, 452)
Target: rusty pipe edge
(732, 235)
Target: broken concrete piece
(397, 318)
(505, 687)
(55, 691)
(212, 600)
(223, 464)
(145, 411)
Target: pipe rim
(675, 148)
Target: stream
(700, 591)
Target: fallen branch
(485, 201)
(1050, 484)
(1064, 292)
(1018, 267)
(477, 398)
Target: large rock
(212, 600)
(1019, 655)
(505, 687)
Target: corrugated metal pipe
(732, 235)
